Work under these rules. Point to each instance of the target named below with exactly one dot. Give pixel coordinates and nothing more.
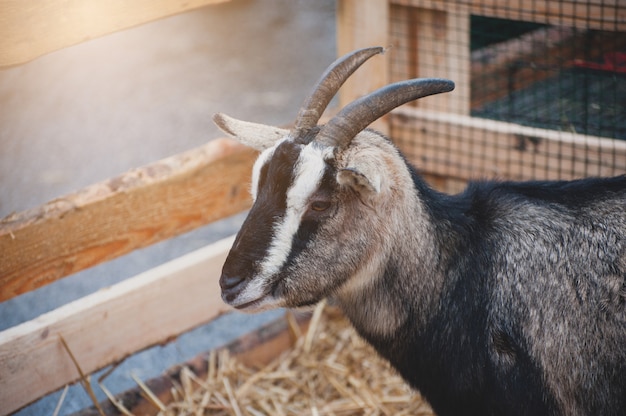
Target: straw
(329, 370)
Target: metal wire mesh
(541, 88)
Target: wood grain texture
(465, 148)
(361, 25)
(499, 69)
(115, 217)
(255, 349)
(109, 325)
(30, 29)
(432, 43)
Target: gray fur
(509, 298)
(550, 282)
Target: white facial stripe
(257, 291)
(258, 165)
(309, 170)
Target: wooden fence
(115, 217)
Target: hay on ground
(329, 371)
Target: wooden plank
(359, 25)
(112, 218)
(465, 148)
(500, 69)
(255, 349)
(609, 15)
(109, 325)
(31, 29)
(432, 43)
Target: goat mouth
(249, 305)
(262, 303)
(253, 300)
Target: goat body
(514, 304)
(509, 298)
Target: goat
(506, 299)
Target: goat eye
(320, 205)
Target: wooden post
(362, 24)
(432, 43)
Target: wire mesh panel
(541, 88)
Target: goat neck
(395, 229)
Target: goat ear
(363, 184)
(257, 136)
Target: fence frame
(115, 217)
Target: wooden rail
(496, 72)
(31, 29)
(609, 15)
(115, 217)
(183, 192)
(466, 148)
(107, 326)
(99, 223)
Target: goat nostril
(229, 282)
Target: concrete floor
(92, 111)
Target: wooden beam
(109, 325)
(112, 218)
(255, 349)
(29, 30)
(497, 70)
(515, 64)
(359, 25)
(465, 148)
(609, 15)
(432, 43)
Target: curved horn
(327, 86)
(359, 114)
(257, 136)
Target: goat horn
(359, 114)
(327, 86)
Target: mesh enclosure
(541, 88)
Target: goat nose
(229, 282)
(231, 286)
